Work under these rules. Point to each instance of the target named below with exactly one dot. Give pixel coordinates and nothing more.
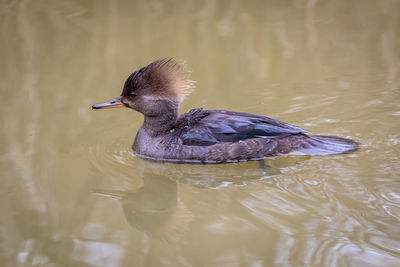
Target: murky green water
(72, 193)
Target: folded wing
(208, 127)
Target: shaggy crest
(164, 78)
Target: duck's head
(163, 82)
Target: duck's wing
(207, 127)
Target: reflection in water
(153, 208)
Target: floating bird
(207, 136)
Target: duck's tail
(326, 145)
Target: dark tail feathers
(327, 145)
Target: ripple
(334, 252)
(393, 211)
(384, 243)
(389, 192)
(111, 152)
(112, 155)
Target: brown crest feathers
(164, 78)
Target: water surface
(72, 193)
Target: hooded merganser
(207, 136)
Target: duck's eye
(132, 93)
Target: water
(72, 193)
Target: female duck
(207, 136)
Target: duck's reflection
(155, 208)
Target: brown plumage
(207, 136)
(163, 78)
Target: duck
(207, 136)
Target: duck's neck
(162, 121)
